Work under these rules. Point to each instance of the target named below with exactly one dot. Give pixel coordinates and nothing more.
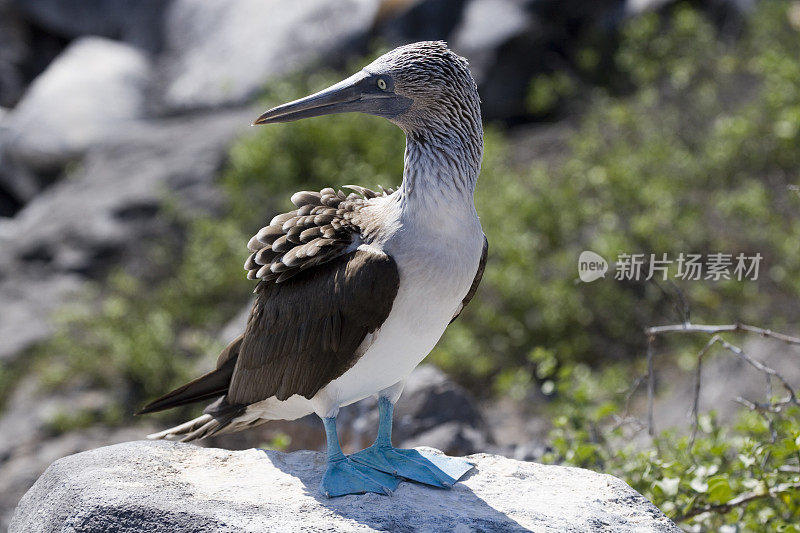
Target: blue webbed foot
(344, 476)
(422, 467)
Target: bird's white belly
(420, 314)
(428, 297)
(431, 291)
(412, 329)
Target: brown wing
(475, 282)
(305, 331)
(306, 323)
(320, 229)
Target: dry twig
(767, 409)
(770, 406)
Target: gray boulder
(220, 52)
(107, 214)
(96, 86)
(22, 466)
(484, 28)
(486, 24)
(162, 486)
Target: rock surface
(106, 213)
(220, 52)
(97, 86)
(149, 486)
(21, 468)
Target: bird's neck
(441, 167)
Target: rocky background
(106, 106)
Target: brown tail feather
(206, 387)
(219, 417)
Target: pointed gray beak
(358, 93)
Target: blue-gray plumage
(355, 289)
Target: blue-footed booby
(355, 289)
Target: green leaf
(719, 489)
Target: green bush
(757, 460)
(701, 158)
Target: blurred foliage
(280, 442)
(10, 373)
(699, 158)
(757, 460)
(138, 340)
(547, 91)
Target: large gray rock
(27, 302)
(220, 52)
(95, 87)
(486, 24)
(106, 213)
(161, 486)
(485, 27)
(20, 468)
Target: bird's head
(418, 86)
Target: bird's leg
(431, 469)
(343, 476)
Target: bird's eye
(381, 84)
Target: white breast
(437, 262)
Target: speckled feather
(324, 225)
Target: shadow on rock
(412, 507)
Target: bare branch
(679, 302)
(711, 329)
(696, 402)
(766, 408)
(739, 501)
(771, 407)
(621, 421)
(760, 366)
